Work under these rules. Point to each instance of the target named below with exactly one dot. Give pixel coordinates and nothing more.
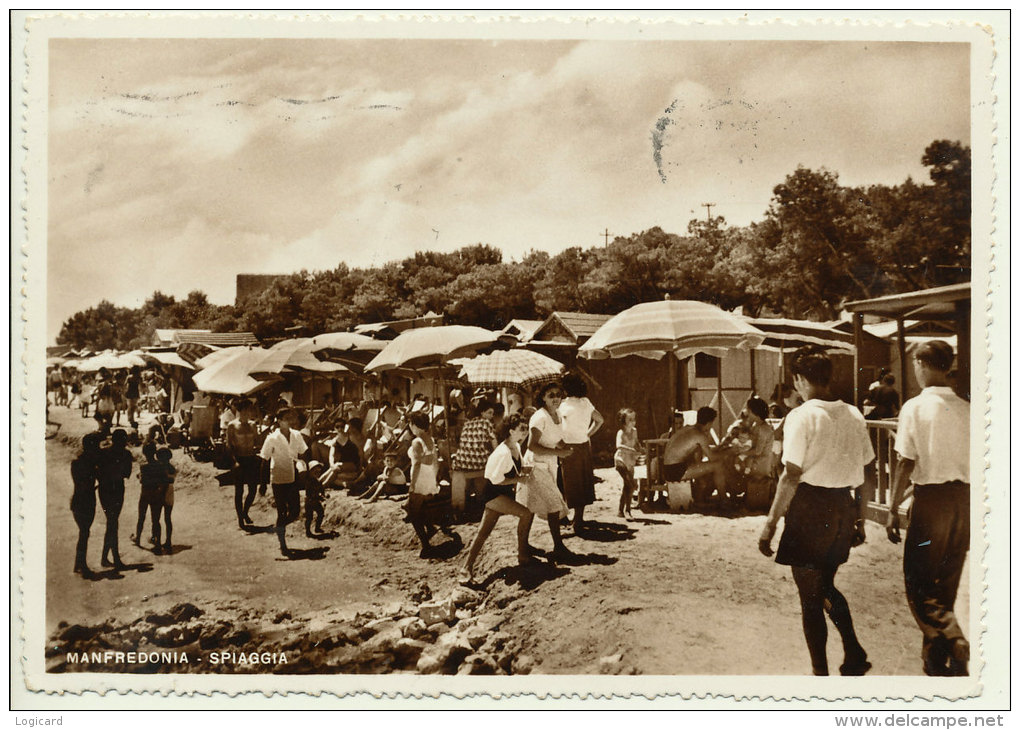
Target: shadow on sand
(605, 532)
(316, 553)
(528, 576)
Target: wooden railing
(878, 477)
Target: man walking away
(933, 441)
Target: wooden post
(858, 346)
(718, 393)
(672, 383)
(962, 312)
(754, 386)
(901, 345)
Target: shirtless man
(682, 457)
(240, 439)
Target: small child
(154, 477)
(313, 498)
(391, 475)
(163, 455)
(626, 456)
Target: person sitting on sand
(682, 458)
(502, 470)
(344, 459)
(392, 475)
(163, 456)
(314, 508)
(154, 479)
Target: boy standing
(933, 441)
(154, 479)
(282, 449)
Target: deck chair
(200, 432)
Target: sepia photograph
(517, 354)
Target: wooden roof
(937, 303)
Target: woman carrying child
(502, 470)
(626, 456)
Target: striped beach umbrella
(508, 369)
(682, 327)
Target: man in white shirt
(825, 450)
(933, 442)
(282, 449)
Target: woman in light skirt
(539, 492)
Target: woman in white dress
(539, 492)
(423, 482)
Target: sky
(176, 164)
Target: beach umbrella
(432, 347)
(509, 369)
(350, 348)
(684, 328)
(425, 347)
(107, 360)
(300, 356)
(52, 362)
(135, 358)
(241, 371)
(168, 358)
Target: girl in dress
(423, 480)
(502, 470)
(538, 492)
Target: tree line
(818, 245)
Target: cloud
(177, 164)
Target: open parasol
(684, 328)
(432, 347)
(239, 370)
(509, 369)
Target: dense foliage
(818, 245)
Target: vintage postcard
(535, 356)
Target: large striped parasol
(682, 327)
(508, 369)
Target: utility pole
(606, 235)
(709, 206)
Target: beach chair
(199, 443)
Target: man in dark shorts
(682, 458)
(825, 449)
(240, 438)
(933, 441)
